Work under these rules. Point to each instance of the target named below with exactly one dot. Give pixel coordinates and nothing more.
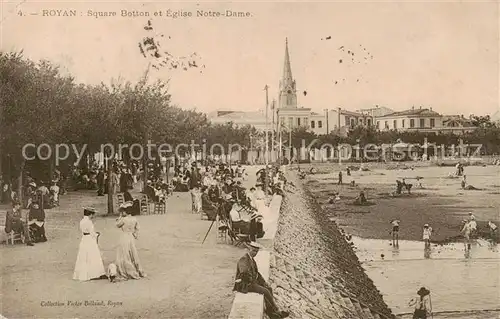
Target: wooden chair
(159, 208)
(144, 205)
(120, 199)
(222, 230)
(203, 215)
(13, 237)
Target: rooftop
(414, 112)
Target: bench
(251, 305)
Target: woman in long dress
(128, 265)
(260, 200)
(89, 261)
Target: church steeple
(288, 92)
(287, 69)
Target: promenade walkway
(185, 278)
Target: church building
(287, 115)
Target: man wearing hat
(15, 221)
(194, 186)
(248, 279)
(422, 304)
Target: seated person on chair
(150, 191)
(36, 223)
(208, 206)
(248, 279)
(14, 223)
(45, 194)
(136, 206)
(239, 225)
(246, 222)
(54, 193)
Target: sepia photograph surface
(249, 160)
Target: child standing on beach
(426, 236)
(466, 231)
(395, 231)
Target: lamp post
(273, 157)
(251, 150)
(266, 88)
(327, 128)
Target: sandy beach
(441, 202)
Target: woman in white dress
(89, 261)
(260, 200)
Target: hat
(254, 245)
(89, 211)
(148, 182)
(426, 225)
(470, 213)
(423, 291)
(32, 184)
(126, 205)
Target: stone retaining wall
(308, 241)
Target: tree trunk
(144, 173)
(167, 164)
(1, 165)
(145, 163)
(19, 189)
(111, 205)
(51, 169)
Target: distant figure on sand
(467, 187)
(395, 231)
(472, 225)
(89, 261)
(340, 178)
(466, 232)
(493, 230)
(426, 235)
(348, 170)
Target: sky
(443, 55)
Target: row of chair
(147, 207)
(225, 232)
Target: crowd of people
(26, 218)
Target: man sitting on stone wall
(248, 279)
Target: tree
(483, 121)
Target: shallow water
(458, 281)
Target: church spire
(288, 92)
(287, 69)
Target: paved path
(185, 278)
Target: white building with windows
(424, 119)
(421, 119)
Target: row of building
(286, 114)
